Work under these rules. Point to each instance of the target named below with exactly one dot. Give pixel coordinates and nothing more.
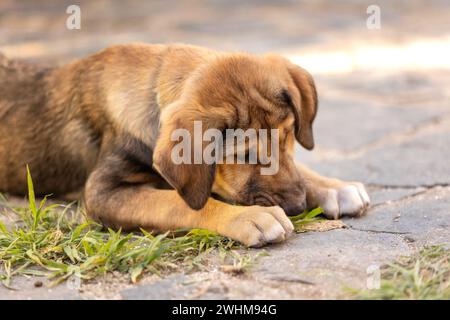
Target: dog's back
(31, 132)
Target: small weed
(306, 217)
(241, 263)
(425, 275)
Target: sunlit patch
(416, 55)
(25, 50)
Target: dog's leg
(336, 197)
(115, 196)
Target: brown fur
(103, 124)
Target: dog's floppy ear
(193, 181)
(305, 104)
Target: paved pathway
(384, 121)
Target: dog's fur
(101, 125)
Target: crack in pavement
(395, 201)
(421, 189)
(377, 231)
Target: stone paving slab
(332, 260)
(425, 212)
(379, 195)
(345, 125)
(407, 88)
(170, 288)
(36, 288)
(420, 160)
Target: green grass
(305, 218)
(59, 241)
(425, 275)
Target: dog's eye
(285, 98)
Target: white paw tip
(364, 196)
(275, 233)
(331, 207)
(349, 200)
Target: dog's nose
(296, 209)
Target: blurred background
(378, 88)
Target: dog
(100, 127)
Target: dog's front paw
(349, 200)
(256, 226)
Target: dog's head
(241, 92)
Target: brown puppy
(103, 124)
